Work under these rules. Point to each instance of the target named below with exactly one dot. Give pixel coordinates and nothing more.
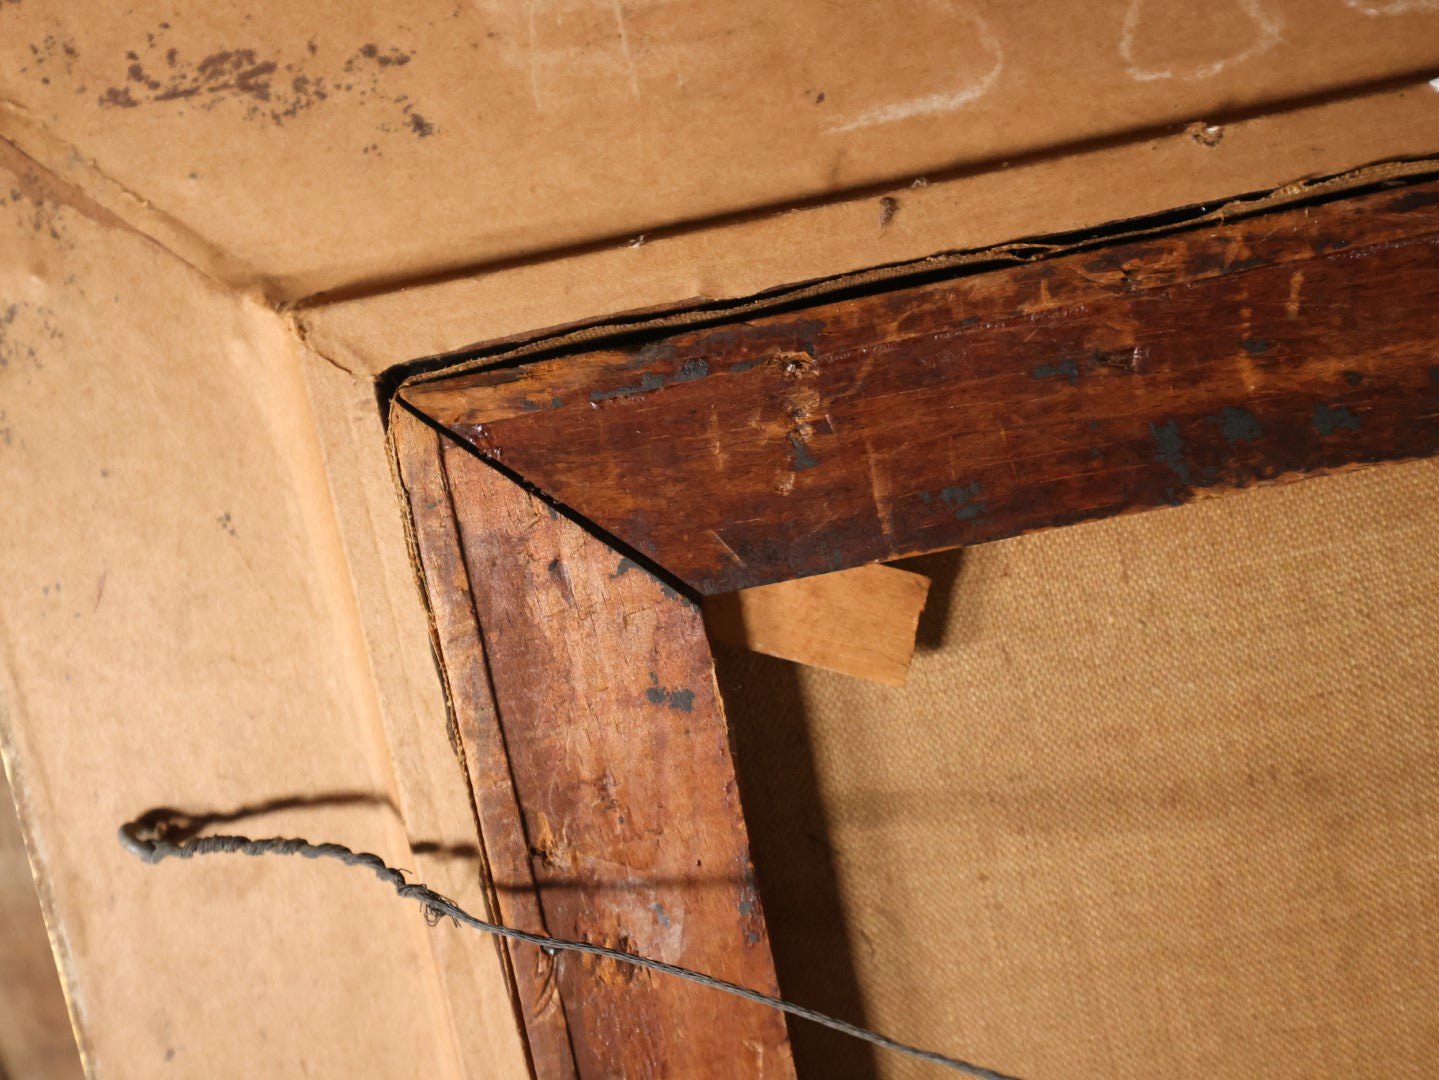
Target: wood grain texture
(616, 744)
(1090, 384)
(858, 622)
(478, 741)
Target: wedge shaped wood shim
(942, 414)
(858, 622)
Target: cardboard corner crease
(220, 228)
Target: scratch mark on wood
(1291, 306)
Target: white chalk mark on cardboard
(534, 46)
(1376, 8)
(625, 48)
(1267, 27)
(945, 101)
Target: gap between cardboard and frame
(634, 330)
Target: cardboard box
(223, 228)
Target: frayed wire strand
(145, 839)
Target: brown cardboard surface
(369, 334)
(207, 599)
(35, 1038)
(447, 849)
(1158, 799)
(178, 629)
(300, 148)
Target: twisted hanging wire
(145, 838)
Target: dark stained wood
(617, 751)
(1091, 384)
(479, 742)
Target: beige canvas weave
(1164, 802)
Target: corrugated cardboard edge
(517, 302)
(1010, 253)
(452, 722)
(416, 706)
